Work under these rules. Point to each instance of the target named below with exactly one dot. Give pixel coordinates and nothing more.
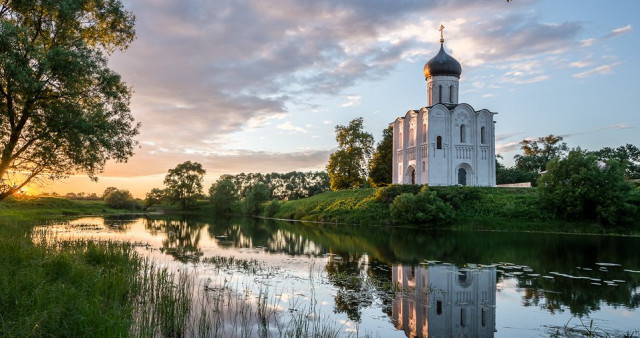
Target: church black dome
(442, 64)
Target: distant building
(443, 301)
(445, 143)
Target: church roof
(442, 64)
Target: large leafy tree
(223, 195)
(347, 167)
(628, 155)
(62, 110)
(258, 194)
(380, 170)
(537, 153)
(184, 183)
(579, 186)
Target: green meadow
(474, 208)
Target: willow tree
(62, 110)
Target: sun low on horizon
(246, 87)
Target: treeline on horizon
(282, 186)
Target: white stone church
(445, 143)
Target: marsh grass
(576, 327)
(55, 286)
(64, 288)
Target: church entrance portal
(462, 176)
(412, 174)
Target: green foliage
(460, 197)
(380, 170)
(388, 194)
(120, 199)
(62, 110)
(628, 155)
(357, 206)
(259, 194)
(272, 208)
(223, 195)
(184, 183)
(509, 175)
(581, 187)
(284, 186)
(347, 166)
(424, 209)
(68, 290)
(153, 197)
(538, 153)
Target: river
(399, 282)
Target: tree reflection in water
(182, 237)
(364, 256)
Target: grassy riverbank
(28, 208)
(75, 288)
(56, 288)
(500, 209)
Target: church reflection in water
(441, 300)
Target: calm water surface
(407, 282)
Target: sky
(259, 86)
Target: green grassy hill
(510, 209)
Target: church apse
(441, 300)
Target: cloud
(352, 101)
(581, 64)
(600, 70)
(289, 126)
(502, 137)
(507, 147)
(204, 70)
(615, 32)
(587, 42)
(618, 126)
(619, 31)
(231, 161)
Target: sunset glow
(243, 86)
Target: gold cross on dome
(441, 33)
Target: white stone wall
(421, 157)
(449, 86)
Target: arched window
(412, 137)
(462, 176)
(484, 317)
(440, 94)
(463, 317)
(424, 133)
(439, 142)
(483, 139)
(439, 307)
(462, 133)
(423, 166)
(451, 93)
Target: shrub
(259, 194)
(424, 208)
(581, 187)
(389, 193)
(459, 197)
(223, 195)
(120, 199)
(272, 208)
